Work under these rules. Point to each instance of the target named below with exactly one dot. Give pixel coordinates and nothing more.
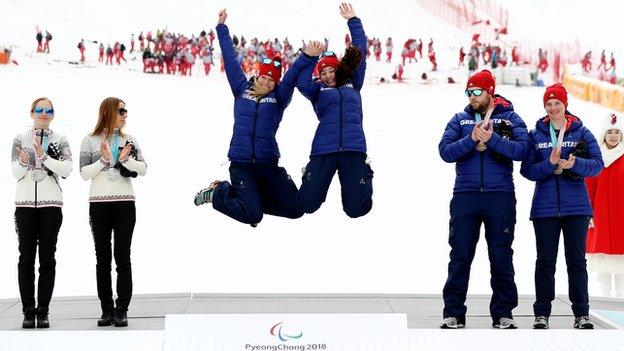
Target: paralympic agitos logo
(279, 331)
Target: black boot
(121, 318)
(106, 319)
(42, 318)
(30, 313)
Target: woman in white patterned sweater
(39, 157)
(110, 158)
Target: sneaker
(583, 323)
(204, 196)
(505, 323)
(120, 318)
(106, 319)
(29, 318)
(451, 323)
(541, 322)
(42, 319)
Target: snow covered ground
(184, 127)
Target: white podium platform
(418, 340)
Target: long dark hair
(348, 64)
(107, 117)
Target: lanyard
(44, 145)
(553, 135)
(115, 145)
(477, 117)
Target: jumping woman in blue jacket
(258, 185)
(339, 143)
(561, 203)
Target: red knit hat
(269, 69)
(556, 91)
(327, 61)
(483, 80)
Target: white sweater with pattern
(46, 193)
(93, 167)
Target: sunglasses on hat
(475, 92)
(328, 53)
(123, 111)
(39, 110)
(268, 61)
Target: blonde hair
(107, 117)
(38, 100)
(256, 90)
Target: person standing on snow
(48, 39)
(101, 53)
(558, 164)
(39, 157)
(258, 184)
(462, 56)
(389, 48)
(82, 48)
(39, 38)
(109, 55)
(339, 143)
(605, 239)
(483, 141)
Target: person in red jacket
(605, 239)
(398, 73)
(101, 53)
(211, 37)
(612, 62)
(389, 48)
(515, 57)
(543, 61)
(603, 61)
(432, 58)
(141, 41)
(377, 49)
(116, 52)
(462, 56)
(81, 47)
(109, 55)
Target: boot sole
(105, 324)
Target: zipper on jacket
(340, 107)
(253, 134)
(36, 194)
(481, 157)
(558, 197)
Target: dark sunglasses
(40, 110)
(123, 111)
(268, 61)
(328, 53)
(475, 92)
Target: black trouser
(37, 227)
(356, 182)
(547, 232)
(497, 212)
(256, 188)
(105, 218)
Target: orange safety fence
(589, 89)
